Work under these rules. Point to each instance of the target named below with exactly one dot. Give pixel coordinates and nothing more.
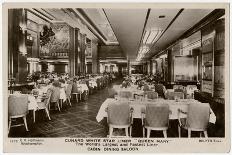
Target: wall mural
(57, 44)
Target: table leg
(34, 116)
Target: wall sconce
(30, 38)
(22, 27)
(23, 50)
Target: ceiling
(127, 25)
(187, 19)
(98, 17)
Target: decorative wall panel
(58, 46)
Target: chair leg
(127, 134)
(61, 103)
(9, 126)
(189, 133)
(179, 131)
(165, 133)
(206, 134)
(110, 132)
(47, 112)
(58, 105)
(148, 133)
(76, 97)
(25, 122)
(34, 115)
(68, 100)
(200, 134)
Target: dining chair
(55, 97)
(119, 116)
(151, 95)
(85, 88)
(124, 94)
(190, 90)
(43, 105)
(146, 87)
(197, 119)
(159, 88)
(98, 81)
(68, 93)
(178, 88)
(35, 92)
(155, 117)
(174, 95)
(77, 91)
(17, 108)
(89, 85)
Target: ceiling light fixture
(152, 37)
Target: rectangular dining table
(140, 105)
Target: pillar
(76, 55)
(17, 45)
(95, 62)
(82, 46)
(71, 55)
(128, 67)
(170, 67)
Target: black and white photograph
(121, 73)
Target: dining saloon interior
(99, 72)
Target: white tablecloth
(32, 105)
(84, 87)
(138, 106)
(93, 83)
(132, 89)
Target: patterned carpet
(80, 121)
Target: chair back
(146, 87)
(178, 88)
(87, 83)
(125, 94)
(55, 94)
(151, 94)
(157, 115)
(35, 92)
(82, 82)
(18, 105)
(198, 116)
(159, 88)
(175, 95)
(191, 88)
(75, 88)
(98, 81)
(69, 90)
(47, 99)
(119, 113)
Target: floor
(80, 121)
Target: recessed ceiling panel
(99, 19)
(127, 25)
